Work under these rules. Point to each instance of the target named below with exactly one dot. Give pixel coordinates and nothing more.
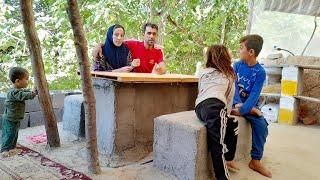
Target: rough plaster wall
(125, 117)
(137, 104)
(159, 99)
(311, 79)
(176, 146)
(244, 139)
(202, 151)
(104, 92)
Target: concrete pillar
(74, 116)
(290, 87)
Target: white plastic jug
(198, 68)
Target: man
(150, 56)
(250, 78)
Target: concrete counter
(127, 103)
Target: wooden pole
(250, 17)
(87, 89)
(39, 74)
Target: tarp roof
(305, 7)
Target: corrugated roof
(305, 7)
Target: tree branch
(196, 39)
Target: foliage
(186, 27)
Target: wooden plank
(297, 65)
(273, 66)
(309, 67)
(145, 77)
(101, 76)
(306, 98)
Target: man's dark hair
(17, 73)
(149, 25)
(254, 42)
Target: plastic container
(198, 68)
(270, 112)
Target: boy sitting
(250, 78)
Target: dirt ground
(291, 153)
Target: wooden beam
(310, 99)
(271, 94)
(309, 67)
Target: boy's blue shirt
(248, 85)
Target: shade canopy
(305, 7)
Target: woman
(116, 55)
(213, 106)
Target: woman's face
(118, 36)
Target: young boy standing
(250, 79)
(14, 109)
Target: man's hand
(124, 69)
(159, 68)
(135, 63)
(235, 112)
(97, 51)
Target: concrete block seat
(73, 119)
(180, 145)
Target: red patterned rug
(30, 164)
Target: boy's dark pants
(10, 131)
(222, 133)
(259, 128)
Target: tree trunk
(87, 89)
(223, 30)
(39, 75)
(163, 19)
(150, 14)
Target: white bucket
(270, 112)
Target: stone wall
(311, 80)
(33, 114)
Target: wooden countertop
(145, 77)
